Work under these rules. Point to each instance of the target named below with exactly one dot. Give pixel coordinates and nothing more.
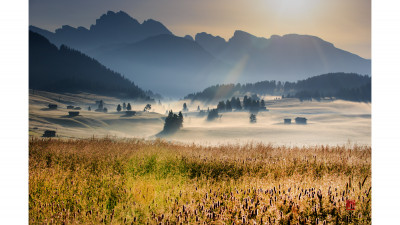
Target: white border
(385, 111)
(14, 112)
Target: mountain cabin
(49, 133)
(287, 121)
(301, 120)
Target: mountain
(288, 57)
(66, 70)
(348, 86)
(111, 28)
(170, 64)
(214, 44)
(190, 38)
(156, 59)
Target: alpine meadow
(200, 112)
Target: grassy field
(109, 181)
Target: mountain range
(152, 56)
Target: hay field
(132, 181)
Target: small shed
(70, 107)
(52, 106)
(73, 113)
(301, 120)
(287, 121)
(77, 108)
(130, 113)
(49, 133)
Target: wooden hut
(287, 121)
(301, 120)
(130, 113)
(73, 113)
(49, 133)
(52, 106)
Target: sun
(293, 7)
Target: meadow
(333, 122)
(137, 181)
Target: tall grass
(106, 181)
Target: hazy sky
(345, 23)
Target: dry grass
(106, 181)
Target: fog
(328, 122)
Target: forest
(346, 86)
(67, 70)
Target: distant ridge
(288, 57)
(110, 28)
(190, 64)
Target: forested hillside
(348, 86)
(66, 70)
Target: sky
(346, 24)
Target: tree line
(347, 86)
(252, 104)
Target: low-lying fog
(337, 122)
(329, 123)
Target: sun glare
(293, 7)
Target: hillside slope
(66, 70)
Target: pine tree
(228, 106)
(101, 105)
(253, 118)
(221, 106)
(212, 114)
(180, 119)
(119, 108)
(147, 108)
(238, 104)
(129, 107)
(246, 102)
(173, 122)
(124, 106)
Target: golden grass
(107, 181)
